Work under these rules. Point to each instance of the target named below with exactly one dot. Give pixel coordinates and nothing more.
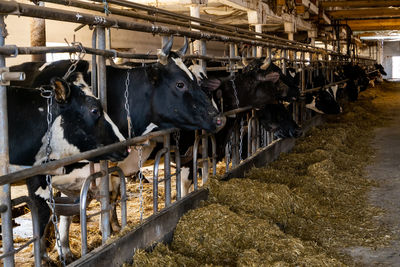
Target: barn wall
(19, 34)
(390, 49)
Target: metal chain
(48, 94)
(106, 10)
(241, 138)
(235, 91)
(81, 54)
(140, 151)
(177, 136)
(228, 152)
(127, 108)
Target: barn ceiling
(285, 16)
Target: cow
(79, 124)
(259, 78)
(325, 101)
(160, 96)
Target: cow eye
(180, 86)
(95, 111)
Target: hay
(216, 235)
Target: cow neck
(141, 110)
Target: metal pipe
(104, 182)
(35, 227)
(94, 64)
(177, 172)
(122, 188)
(155, 177)
(195, 150)
(5, 192)
(105, 201)
(45, 168)
(83, 206)
(167, 171)
(214, 153)
(56, 14)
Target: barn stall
(274, 28)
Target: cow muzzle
(220, 122)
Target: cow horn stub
(163, 53)
(244, 61)
(181, 52)
(266, 63)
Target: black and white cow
(324, 101)
(161, 95)
(79, 124)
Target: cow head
(180, 102)
(276, 118)
(325, 101)
(380, 68)
(287, 88)
(80, 124)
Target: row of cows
(162, 95)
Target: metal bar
(195, 149)
(214, 153)
(104, 182)
(155, 177)
(122, 188)
(5, 192)
(77, 17)
(10, 50)
(167, 171)
(105, 201)
(94, 64)
(44, 168)
(83, 206)
(177, 172)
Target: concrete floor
(386, 170)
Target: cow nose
(220, 122)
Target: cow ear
(270, 77)
(61, 90)
(211, 84)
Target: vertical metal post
(104, 183)
(258, 28)
(284, 62)
(5, 192)
(94, 64)
(167, 170)
(199, 47)
(204, 156)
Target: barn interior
(327, 198)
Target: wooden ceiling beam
(382, 3)
(365, 13)
(370, 25)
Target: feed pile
(301, 210)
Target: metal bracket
(6, 76)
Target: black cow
(79, 124)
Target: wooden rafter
(365, 13)
(374, 25)
(381, 3)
